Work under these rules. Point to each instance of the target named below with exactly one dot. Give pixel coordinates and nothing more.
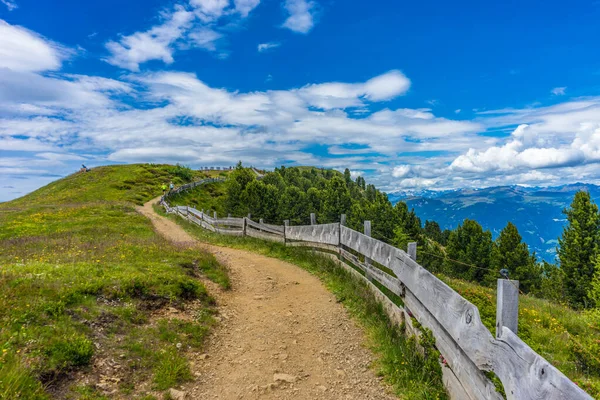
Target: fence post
(261, 221)
(286, 223)
(367, 259)
(249, 216)
(507, 306)
(313, 219)
(412, 250)
(215, 215)
(343, 220)
(244, 226)
(228, 215)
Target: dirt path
(282, 334)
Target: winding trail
(282, 334)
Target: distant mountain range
(536, 211)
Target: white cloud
(176, 117)
(11, 5)
(301, 15)
(457, 111)
(559, 136)
(262, 47)
(23, 50)
(342, 95)
(559, 91)
(245, 6)
(202, 24)
(401, 171)
(417, 183)
(206, 38)
(210, 10)
(155, 44)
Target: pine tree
(433, 231)
(337, 199)
(578, 248)
(383, 218)
(470, 245)
(347, 176)
(509, 252)
(594, 290)
(292, 206)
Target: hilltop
(83, 275)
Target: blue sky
(429, 95)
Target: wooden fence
(466, 345)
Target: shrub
(73, 351)
(181, 171)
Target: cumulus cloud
(559, 91)
(262, 47)
(301, 17)
(23, 50)
(401, 171)
(555, 138)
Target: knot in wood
(469, 316)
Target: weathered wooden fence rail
(466, 345)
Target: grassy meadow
(85, 279)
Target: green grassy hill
(82, 277)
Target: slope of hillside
(537, 212)
(83, 281)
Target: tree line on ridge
(467, 252)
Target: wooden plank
(231, 232)
(452, 384)
(474, 382)
(315, 245)
(263, 227)
(195, 212)
(278, 228)
(237, 222)
(263, 235)
(390, 282)
(532, 376)
(460, 319)
(395, 313)
(325, 233)
(208, 219)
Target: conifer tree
(470, 245)
(509, 252)
(578, 248)
(337, 199)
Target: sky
(410, 95)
